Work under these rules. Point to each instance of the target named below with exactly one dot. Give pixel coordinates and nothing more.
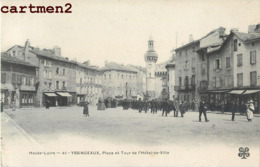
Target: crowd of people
(179, 108)
(166, 106)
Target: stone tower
(150, 58)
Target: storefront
(51, 97)
(241, 97)
(63, 98)
(27, 99)
(4, 97)
(216, 99)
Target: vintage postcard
(130, 83)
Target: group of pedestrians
(182, 107)
(167, 106)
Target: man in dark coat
(140, 105)
(85, 109)
(165, 108)
(47, 104)
(2, 106)
(203, 109)
(182, 108)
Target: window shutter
(214, 66)
(220, 64)
(251, 59)
(3, 78)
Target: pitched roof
(136, 68)
(197, 41)
(88, 67)
(49, 54)
(247, 37)
(188, 44)
(14, 60)
(117, 67)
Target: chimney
(221, 31)
(254, 28)
(191, 38)
(87, 63)
(57, 51)
(106, 62)
(26, 49)
(233, 29)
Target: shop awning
(251, 91)
(237, 92)
(64, 94)
(50, 94)
(218, 91)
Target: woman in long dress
(250, 111)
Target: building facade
(141, 80)
(191, 77)
(232, 69)
(185, 71)
(170, 66)
(89, 83)
(18, 82)
(119, 81)
(56, 81)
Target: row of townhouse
(30, 77)
(220, 67)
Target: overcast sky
(119, 30)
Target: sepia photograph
(130, 83)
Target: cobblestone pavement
(65, 129)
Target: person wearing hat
(2, 105)
(233, 110)
(85, 108)
(250, 110)
(203, 110)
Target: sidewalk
(11, 133)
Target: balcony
(179, 88)
(191, 87)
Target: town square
(66, 129)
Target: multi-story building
(141, 80)
(170, 66)
(185, 71)
(56, 81)
(18, 82)
(89, 83)
(233, 69)
(119, 81)
(191, 65)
